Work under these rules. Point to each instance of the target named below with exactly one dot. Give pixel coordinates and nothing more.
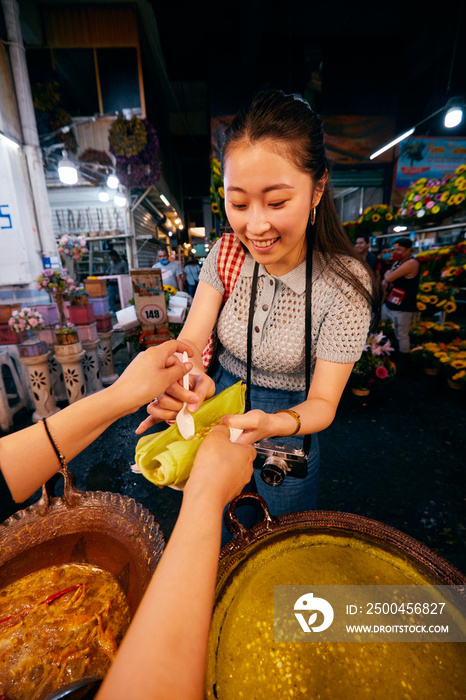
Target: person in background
(384, 263)
(172, 274)
(160, 656)
(362, 248)
(401, 283)
(117, 266)
(192, 270)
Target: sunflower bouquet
(435, 198)
(377, 217)
(433, 297)
(451, 359)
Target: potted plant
(79, 297)
(66, 334)
(374, 366)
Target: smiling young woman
(282, 213)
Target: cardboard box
(149, 298)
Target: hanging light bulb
(113, 182)
(67, 171)
(453, 117)
(119, 200)
(104, 196)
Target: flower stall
(435, 199)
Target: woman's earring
(313, 216)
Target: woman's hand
(149, 374)
(169, 403)
(256, 425)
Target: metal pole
(31, 147)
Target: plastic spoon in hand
(184, 419)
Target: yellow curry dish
(58, 625)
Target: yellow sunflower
(459, 198)
(433, 299)
(462, 186)
(221, 192)
(426, 286)
(460, 169)
(458, 364)
(421, 306)
(418, 205)
(451, 201)
(435, 209)
(442, 302)
(424, 299)
(375, 218)
(444, 197)
(421, 181)
(459, 375)
(215, 208)
(450, 307)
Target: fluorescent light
(8, 140)
(392, 143)
(113, 182)
(119, 200)
(67, 172)
(177, 221)
(398, 229)
(453, 117)
(164, 200)
(104, 196)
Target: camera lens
(274, 471)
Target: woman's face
(268, 201)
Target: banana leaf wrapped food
(166, 458)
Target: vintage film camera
(277, 460)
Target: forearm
(27, 457)
(198, 365)
(316, 414)
(163, 653)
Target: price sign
(153, 314)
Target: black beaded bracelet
(60, 455)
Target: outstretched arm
(27, 458)
(316, 413)
(163, 653)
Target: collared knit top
(340, 321)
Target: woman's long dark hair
(297, 133)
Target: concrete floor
(397, 456)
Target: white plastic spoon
(184, 419)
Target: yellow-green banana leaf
(165, 458)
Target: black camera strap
(307, 331)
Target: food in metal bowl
(58, 625)
(244, 660)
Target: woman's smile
(264, 244)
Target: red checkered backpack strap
(230, 259)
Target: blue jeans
(293, 495)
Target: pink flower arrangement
(54, 281)
(74, 246)
(374, 364)
(26, 320)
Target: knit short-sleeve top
(340, 321)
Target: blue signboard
(430, 158)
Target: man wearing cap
(401, 283)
